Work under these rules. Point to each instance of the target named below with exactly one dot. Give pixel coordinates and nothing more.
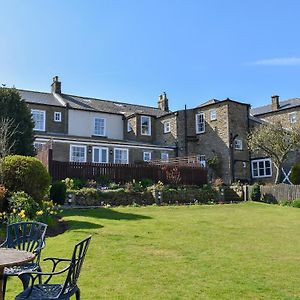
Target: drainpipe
(185, 131)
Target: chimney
(163, 102)
(56, 85)
(275, 102)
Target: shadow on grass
(104, 213)
(74, 225)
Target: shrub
(146, 182)
(296, 203)
(20, 201)
(3, 192)
(295, 174)
(69, 182)
(103, 180)
(79, 183)
(269, 198)
(255, 192)
(58, 192)
(207, 194)
(24, 173)
(47, 212)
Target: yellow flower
(39, 213)
(14, 210)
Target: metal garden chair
(46, 291)
(27, 236)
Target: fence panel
(124, 173)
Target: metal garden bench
(46, 291)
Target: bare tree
(275, 141)
(8, 130)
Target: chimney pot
(163, 102)
(56, 85)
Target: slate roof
(209, 102)
(286, 104)
(91, 104)
(39, 98)
(215, 101)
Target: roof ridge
(112, 101)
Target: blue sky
(133, 50)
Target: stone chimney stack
(56, 85)
(275, 102)
(163, 102)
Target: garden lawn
(238, 251)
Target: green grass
(239, 251)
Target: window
(146, 156)
(238, 144)
(293, 117)
(57, 116)
(78, 153)
(213, 114)
(164, 156)
(261, 168)
(200, 123)
(99, 126)
(129, 126)
(121, 156)
(38, 145)
(39, 119)
(145, 125)
(100, 155)
(167, 127)
(201, 160)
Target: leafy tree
(295, 174)
(274, 141)
(20, 124)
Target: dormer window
(99, 126)
(200, 123)
(167, 126)
(145, 125)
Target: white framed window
(201, 160)
(147, 156)
(213, 114)
(261, 168)
(129, 126)
(238, 144)
(145, 125)
(57, 116)
(100, 155)
(100, 126)
(164, 156)
(39, 119)
(293, 117)
(77, 153)
(167, 126)
(200, 123)
(120, 156)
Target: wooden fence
(279, 192)
(125, 173)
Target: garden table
(12, 257)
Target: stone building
(213, 134)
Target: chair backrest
(27, 236)
(78, 256)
